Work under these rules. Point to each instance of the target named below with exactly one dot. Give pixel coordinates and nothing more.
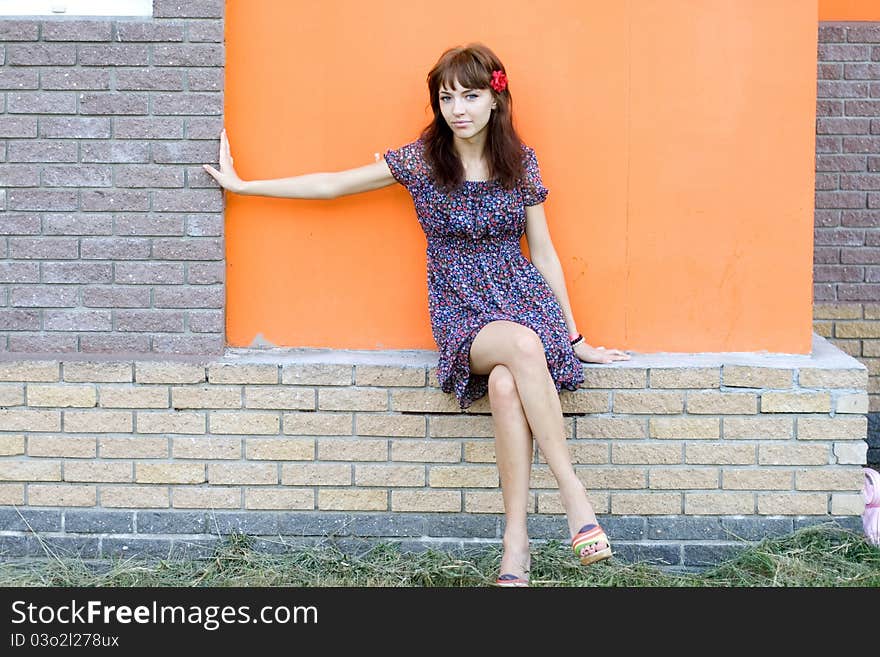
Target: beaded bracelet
(579, 338)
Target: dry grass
(821, 555)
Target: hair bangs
(463, 69)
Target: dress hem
(479, 383)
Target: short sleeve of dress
(406, 163)
(533, 190)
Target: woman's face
(466, 111)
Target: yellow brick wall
(723, 440)
(855, 329)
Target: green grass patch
(821, 555)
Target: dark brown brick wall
(846, 267)
(111, 234)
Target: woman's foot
(515, 561)
(591, 547)
(590, 544)
(580, 515)
(595, 547)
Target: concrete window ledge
(684, 455)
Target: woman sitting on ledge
(503, 325)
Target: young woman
(503, 325)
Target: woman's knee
(502, 386)
(504, 342)
(527, 346)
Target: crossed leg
(525, 403)
(513, 454)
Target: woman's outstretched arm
(309, 186)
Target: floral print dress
(477, 272)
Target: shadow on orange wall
(677, 140)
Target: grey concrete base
(666, 541)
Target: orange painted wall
(849, 10)
(677, 139)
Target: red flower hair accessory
(499, 81)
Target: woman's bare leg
(513, 454)
(520, 349)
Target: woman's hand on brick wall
(226, 177)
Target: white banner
(76, 7)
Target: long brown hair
(472, 67)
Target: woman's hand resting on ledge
(589, 354)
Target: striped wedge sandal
(511, 580)
(590, 535)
